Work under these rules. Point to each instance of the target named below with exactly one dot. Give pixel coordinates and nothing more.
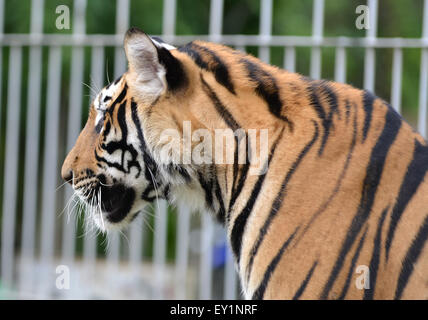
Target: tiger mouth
(114, 202)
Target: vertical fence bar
(317, 33)
(2, 7)
(159, 249)
(205, 267)
(11, 166)
(73, 127)
(215, 31)
(31, 152)
(290, 59)
(1, 54)
(370, 54)
(97, 69)
(423, 81)
(137, 227)
(90, 238)
(2, 16)
(230, 277)
(216, 20)
(50, 169)
(340, 65)
(168, 21)
(136, 242)
(182, 252)
(397, 69)
(122, 24)
(161, 214)
(265, 28)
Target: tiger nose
(67, 175)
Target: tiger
(337, 207)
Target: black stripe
(221, 109)
(221, 214)
(374, 261)
(260, 291)
(146, 193)
(177, 168)
(118, 100)
(236, 191)
(305, 282)
(414, 176)
(326, 117)
(348, 110)
(214, 63)
(149, 163)
(331, 99)
(207, 186)
(276, 205)
(100, 124)
(121, 119)
(115, 165)
(107, 129)
(266, 88)
(122, 145)
(336, 189)
(241, 220)
(368, 99)
(411, 258)
(175, 76)
(137, 123)
(371, 181)
(352, 267)
(237, 188)
(230, 121)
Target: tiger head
(122, 160)
(111, 166)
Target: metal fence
(32, 250)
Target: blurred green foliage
(397, 18)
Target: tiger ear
(144, 62)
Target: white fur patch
(103, 99)
(163, 44)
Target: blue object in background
(219, 254)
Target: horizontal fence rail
(233, 40)
(169, 252)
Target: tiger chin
(337, 207)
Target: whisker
(126, 238)
(70, 211)
(94, 84)
(108, 79)
(147, 224)
(90, 88)
(67, 181)
(106, 185)
(101, 211)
